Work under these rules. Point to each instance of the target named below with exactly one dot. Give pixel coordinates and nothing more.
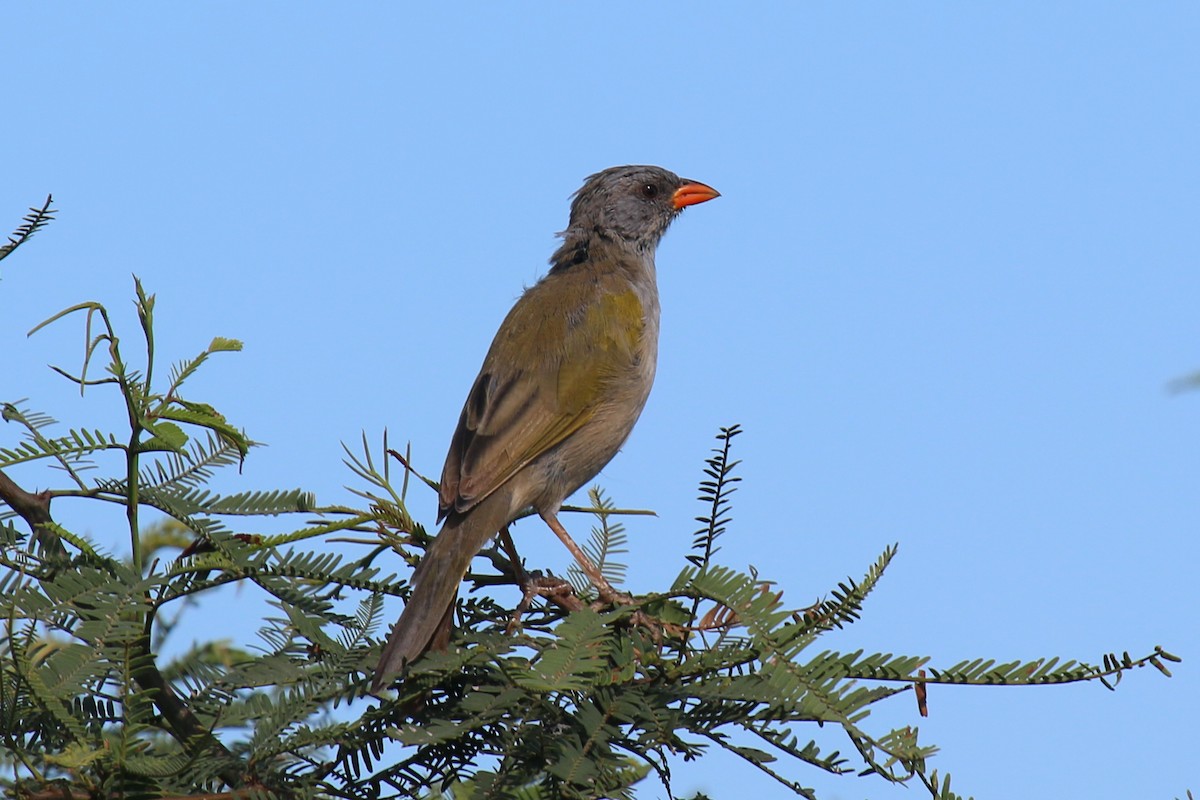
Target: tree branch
(35, 220)
(195, 738)
(35, 510)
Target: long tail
(436, 583)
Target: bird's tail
(436, 581)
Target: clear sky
(952, 272)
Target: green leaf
(577, 656)
(205, 417)
(77, 755)
(166, 436)
(220, 344)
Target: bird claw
(609, 597)
(554, 589)
(658, 629)
(559, 592)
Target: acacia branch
(35, 220)
(183, 724)
(35, 510)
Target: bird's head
(635, 204)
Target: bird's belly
(566, 468)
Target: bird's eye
(649, 191)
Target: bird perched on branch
(559, 392)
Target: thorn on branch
(35, 510)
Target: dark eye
(649, 191)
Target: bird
(561, 387)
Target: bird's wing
(543, 379)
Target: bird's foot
(656, 627)
(657, 630)
(609, 597)
(554, 589)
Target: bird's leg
(527, 590)
(605, 589)
(510, 550)
(551, 589)
(556, 590)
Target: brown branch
(194, 736)
(67, 793)
(35, 510)
(56, 792)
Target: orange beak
(693, 192)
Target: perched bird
(559, 392)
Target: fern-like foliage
(31, 223)
(715, 490)
(608, 540)
(580, 702)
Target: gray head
(632, 204)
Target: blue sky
(951, 274)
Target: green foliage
(608, 540)
(576, 704)
(34, 221)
